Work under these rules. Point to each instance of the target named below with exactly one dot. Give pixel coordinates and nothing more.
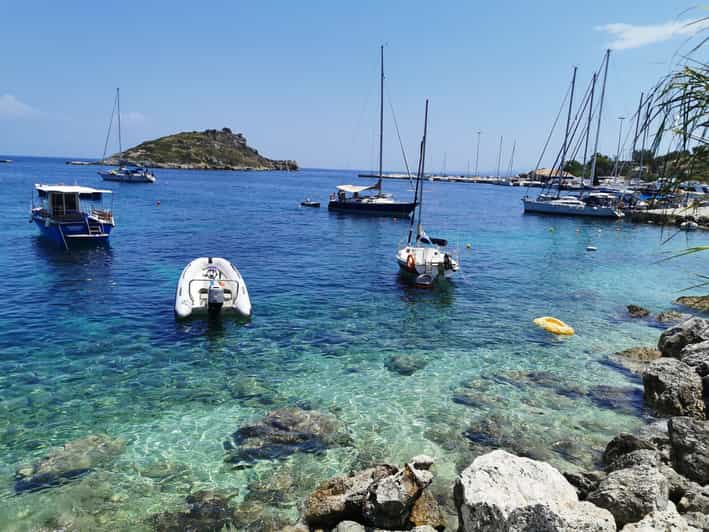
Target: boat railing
(102, 214)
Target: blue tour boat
(69, 214)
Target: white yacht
(590, 205)
(213, 286)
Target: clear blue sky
(299, 79)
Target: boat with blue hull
(378, 204)
(70, 214)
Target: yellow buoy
(554, 326)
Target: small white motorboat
(689, 226)
(211, 285)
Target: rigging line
(398, 135)
(551, 132)
(108, 134)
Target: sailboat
(423, 257)
(599, 205)
(378, 204)
(126, 172)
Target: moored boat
(424, 258)
(307, 202)
(378, 204)
(597, 204)
(69, 214)
(126, 172)
(212, 286)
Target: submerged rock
(689, 440)
(504, 492)
(674, 339)
(405, 364)
(286, 431)
(207, 511)
(700, 303)
(637, 312)
(636, 359)
(630, 494)
(671, 316)
(73, 460)
(673, 388)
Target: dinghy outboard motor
(215, 298)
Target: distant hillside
(204, 150)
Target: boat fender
(447, 261)
(411, 262)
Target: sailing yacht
(126, 172)
(595, 204)
(378, 204)
(423, 257)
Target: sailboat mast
(120, 142)
(477, 154)
(499, 158)
(566, 132)
(423, 162)
(588, 127)
(637, 125)
(512, 158)
(600, 115)
(381, 116)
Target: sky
(300, 79)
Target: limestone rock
(630, 494)
(384, 496)
(342, 498)
(674, 339)
(503, 492)
(584, 481)
(641, 457)
(667, 520)
(286, 431)
(73, 460)
(695, 499)
(349, 526)
(689, 440)
(673, 388)
(624, 443)
(697, 356)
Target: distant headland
(210, 149)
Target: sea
(89, 343)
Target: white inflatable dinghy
(211, 285)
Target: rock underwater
(283, 432)
(70, 461)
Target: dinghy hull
(211, 286)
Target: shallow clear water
(89, 344)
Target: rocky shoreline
(656, 478)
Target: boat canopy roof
(354, 189)
(84, 192)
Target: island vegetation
(211, 149)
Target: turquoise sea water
(89, 344)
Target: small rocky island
(210, 149)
